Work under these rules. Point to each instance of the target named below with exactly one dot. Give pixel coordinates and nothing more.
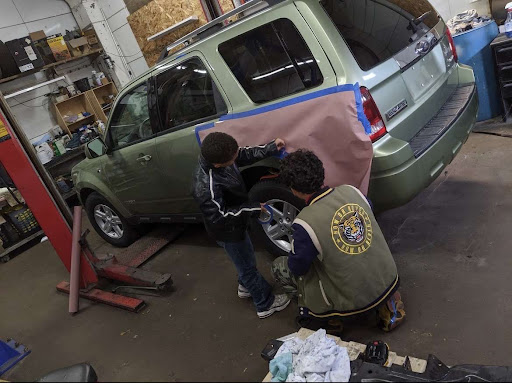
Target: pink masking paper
(330, 125)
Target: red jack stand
(44, 200)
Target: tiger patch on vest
(351, 229)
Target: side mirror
(95, 148)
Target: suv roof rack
(216, 24)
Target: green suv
(420, 102)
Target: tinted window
(187, 93)
(271, 61)
(375, 30)
(130, 121)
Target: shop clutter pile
(316, 359)
(37, 50)
(56, 143)
(16, 220)
(465, 21)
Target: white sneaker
(280, 303)
(243, 292)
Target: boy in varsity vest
(340, 264)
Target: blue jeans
(242, 255)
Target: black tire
(268, 190)
(130, 233)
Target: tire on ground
(130, 233)
(265, 191)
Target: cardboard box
(39, 35)
(79, 47)
(91, 36)
(59, 47)
(25, 54)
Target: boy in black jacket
(220, 191)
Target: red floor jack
(50, 210)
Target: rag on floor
(316, 359)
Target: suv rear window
(271, 61)
(375, 30)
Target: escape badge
(351, 229)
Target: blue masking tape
(310, 96)
(271, 212)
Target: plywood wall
(161, 14)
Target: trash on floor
(316, 359)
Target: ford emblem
(423, 47)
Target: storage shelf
(21, 243)
(80, 120)
(51, 65)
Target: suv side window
(130, 121)
(187, 94)
(271, 61)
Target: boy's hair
(219, 148)
(303, 171)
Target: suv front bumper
(400, 174)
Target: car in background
(421, 104)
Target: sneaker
(243, 292)
(280, 303)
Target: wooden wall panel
(160, 14)
(226, 5)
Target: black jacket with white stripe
(222, 195)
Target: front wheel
(108, 223)
(278, 232)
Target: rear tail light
(452, 45)
(372, 113)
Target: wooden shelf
(100, 95)
(73, 107)
(35, 70)
(80, 120)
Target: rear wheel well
(253, 175)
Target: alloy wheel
(108, 221)
(279, 229)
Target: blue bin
(474, 50)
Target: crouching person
(340, 264)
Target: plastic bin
(23, 220)
(474, 50)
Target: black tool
(376, 352)
(270, 350)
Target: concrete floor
(451, 244)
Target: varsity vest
(354, 271)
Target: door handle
(145, 158)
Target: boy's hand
(263, 208)
(280, 143)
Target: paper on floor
(317, 359)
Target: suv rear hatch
(406, 57)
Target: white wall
(115, 12)
(449, 8)
(18, 18)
